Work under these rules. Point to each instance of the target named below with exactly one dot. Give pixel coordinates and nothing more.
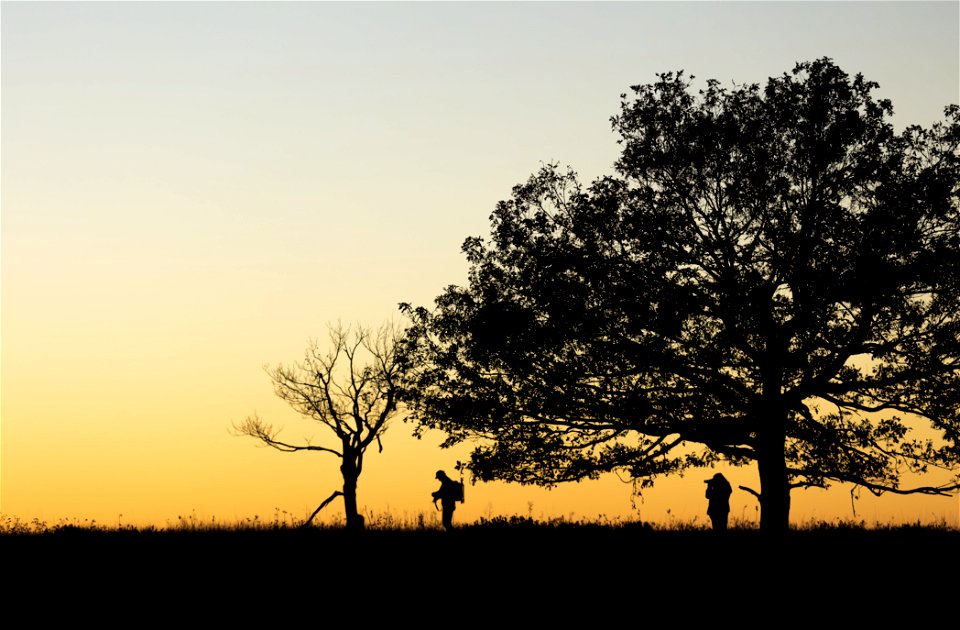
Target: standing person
(448, 495)
(718, 497)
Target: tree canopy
(771, 275)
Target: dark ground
(527, 575)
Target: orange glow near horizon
(191, 191)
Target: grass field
(504, 563)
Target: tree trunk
(774, 484)
(774, 495)
(350, 476)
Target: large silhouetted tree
(350, 387)
(772, 275)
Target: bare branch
(751, 491)
(333, 496)
(254, 427)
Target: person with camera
(718, 497)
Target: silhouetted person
(718, 495)
(447, 495)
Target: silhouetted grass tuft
(420, 522)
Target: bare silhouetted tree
(350, 387)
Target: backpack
(458, 491)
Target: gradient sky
(191, 191)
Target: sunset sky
(191, 191)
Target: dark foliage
(771, 276)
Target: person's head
(441, 475)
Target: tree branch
(333, 496)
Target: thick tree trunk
(772, 467)
(774, 494)
(772, 435)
